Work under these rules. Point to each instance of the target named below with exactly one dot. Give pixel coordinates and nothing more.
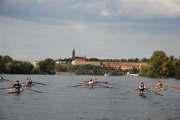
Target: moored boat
(108, 74)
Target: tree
(144, 71)
(19, 67)
(177, 68)
(3, 61)
(158, 65)
(47, 66)
(144, 60)
(93, 59)
(166, 67)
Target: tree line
(10, 66)
(159, 66)
(89, 70)
(47, 66)
(162, 66)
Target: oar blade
(154, 92)
(107, 86)
(5, 88)
(175, 87)
(35, 91)
(39, 83)
(75, 86)
(128, 92)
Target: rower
(1, 78)
(160, 85)
(91, 84)
(17, 86)
(28, 81)
(141, 89)
(96, 81)
(84, 82)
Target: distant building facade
(119, 65)
(124, 65)
(81, 61)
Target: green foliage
(88, 70)
(10, 66)
(92, 59)
(161, 66)
(177, 68)
(156, 64)
(144, 60)
(144, 71)
(165, 67)
(133, 60)
(3, 61)
(47, 66)
(68, 60)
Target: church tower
(73, 55)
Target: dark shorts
(141, 90)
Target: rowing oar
(39, 83)
(103, 82)
(75, 86)
(97, 82)
(128, 92)
(107, 86)
(35, 90)
(173, 87)
(154, 92)
(7, 80)
(5, 88)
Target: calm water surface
(59, 102)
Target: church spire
(73, 55)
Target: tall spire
(73, 55)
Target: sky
(34, 30)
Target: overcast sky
(33, 30)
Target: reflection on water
(56, 101)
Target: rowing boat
(161, 88)
(13, 90)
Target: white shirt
(140, 87)
(91, 82)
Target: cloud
(38, 29)
(91, 10)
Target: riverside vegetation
(159, 66)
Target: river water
(59, 102)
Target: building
(81, 61)
(76, 60)
(73, 55)
(124, 65)
(118, 65)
